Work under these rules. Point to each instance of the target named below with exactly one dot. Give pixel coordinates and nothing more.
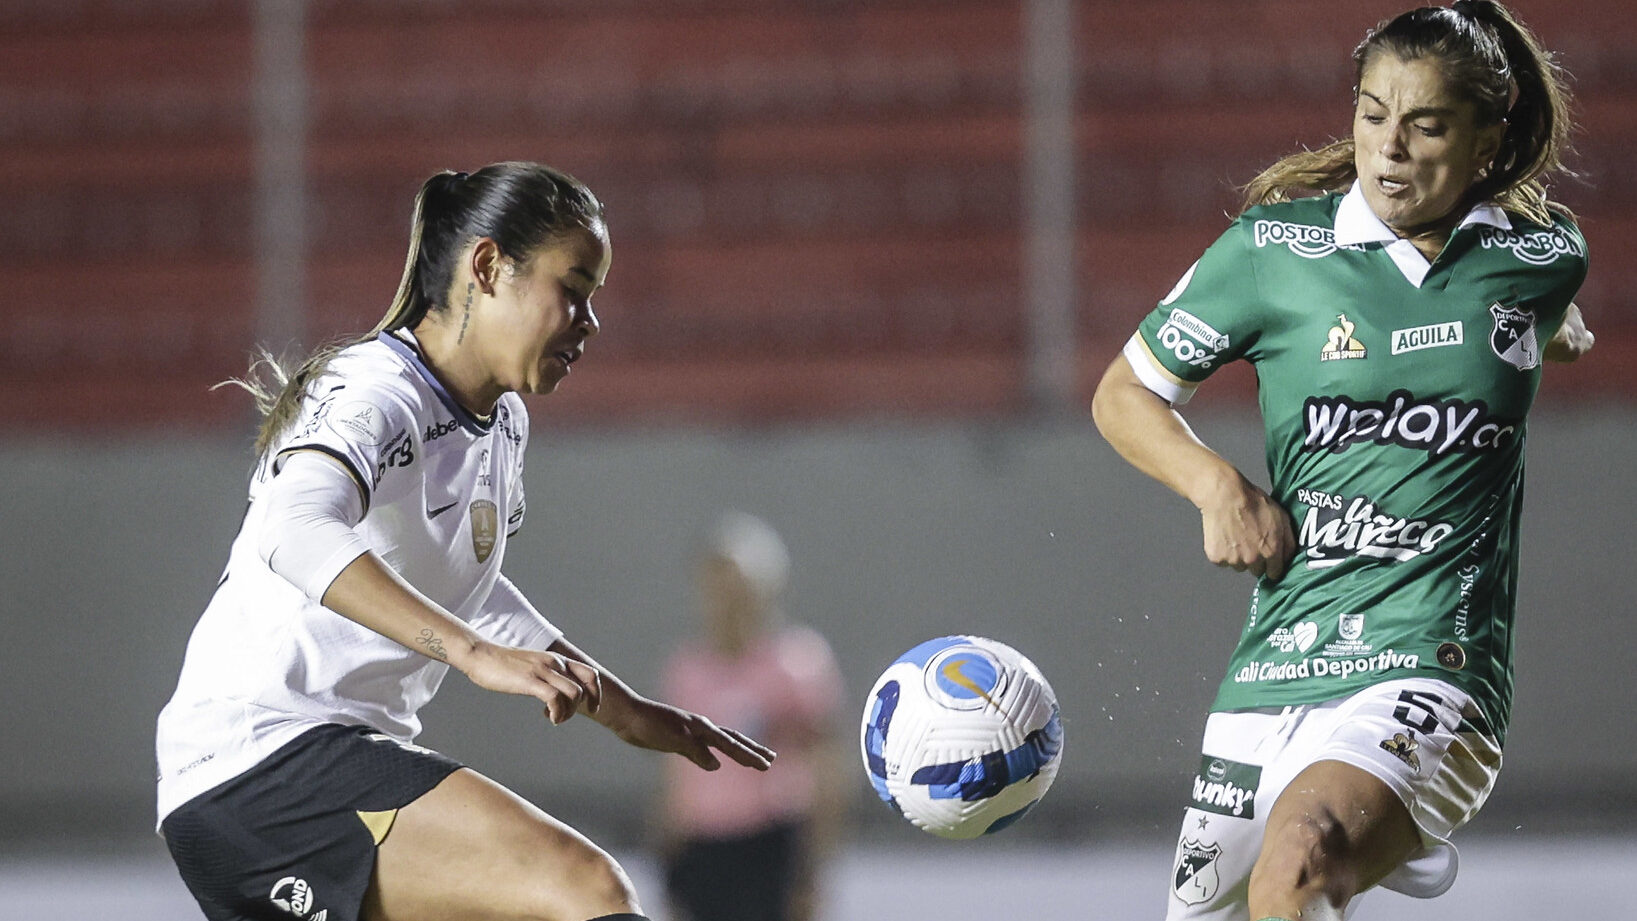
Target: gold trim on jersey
(1159, 366)
(378, 823)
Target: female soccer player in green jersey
(1396, 314)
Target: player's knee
(1305, 856)
(577, 883)
(599, 887)
(610, 885)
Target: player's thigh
(1337, 827)
(471, 848)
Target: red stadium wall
(815, 205)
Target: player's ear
(1488, 145)
(485, 264)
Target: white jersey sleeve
(307, 533)
(367, 429)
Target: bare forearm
(371, 593)
(1155, 439)
(1243, 528)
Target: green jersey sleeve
(1565, 240)
(1212, 316)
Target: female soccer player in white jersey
(388, 484)
(1395, 320)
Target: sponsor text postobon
(1304, 240)
(1537, 247)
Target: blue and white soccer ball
(961, 735)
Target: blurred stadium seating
(815, 203)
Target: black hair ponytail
(518, 205)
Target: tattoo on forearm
(466, 316)
(432, 644)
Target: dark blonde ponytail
(1538, 122)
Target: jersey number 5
(1423, 703)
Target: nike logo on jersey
(432, 513)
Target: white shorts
(1420, 736)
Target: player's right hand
(1247, 531)
(561, 683)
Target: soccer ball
(961, 735)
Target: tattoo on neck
(433, 645)
(466, 315)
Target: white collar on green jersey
(1356, 224)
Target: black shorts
(295, 836)
(744, 878)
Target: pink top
(783, 692)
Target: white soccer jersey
(442, 491)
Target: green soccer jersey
(1394, 393)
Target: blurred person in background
(1395, 292)
(741, 847)
(387, 486)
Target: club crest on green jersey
(1452, 656)
(1513, 338)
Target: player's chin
(546, 378)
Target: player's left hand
(1572, 340)
(650, 724)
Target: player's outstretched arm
(1244, 529)
(1572, 339)
(371, 593)
(308, 537)
(655, 725)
